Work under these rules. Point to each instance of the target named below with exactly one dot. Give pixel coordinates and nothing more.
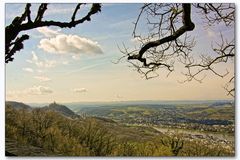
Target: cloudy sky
(74, 65)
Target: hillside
(53, 107)
(17, 105)
(14, 148)
(61, 109)
(45, 132)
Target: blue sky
(81, 67)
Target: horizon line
(119, 101)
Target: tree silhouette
(13, 39)
(168, 40)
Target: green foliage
(174, 143)
(60, 135)
(200, 148)
(97, 139)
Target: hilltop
(61, 109)
(17, 105)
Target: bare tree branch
(188, 25)
(75, 11)
(41, 10)
(17, 26)
(168, 40)
(224, 51)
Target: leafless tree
(14, 41)
(168, 41)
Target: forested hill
(46, 132)
(53, 107)
(17, 105)
(61, 109)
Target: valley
(138, 129)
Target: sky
(76, 65)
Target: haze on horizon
(69, 73)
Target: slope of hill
(61, 109)
(14, 148)
(47, 133)
(53, 107)
(17, 105)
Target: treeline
(60, 135)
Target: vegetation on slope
(63, 136)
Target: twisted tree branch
(188, 25)
(17, 26)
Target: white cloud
(35, 90)
(76, 57)
(29, 61)
(41, 64)
(119, 96)
(80, 90)
(47, 32)
(65, 62)
(42, 78)
(135, 40)
(34, 57)
(64, 44)
(39, 90)
(46, 64)
(28, 70)
(39, 71)
(15, 94)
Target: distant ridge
(17, 105)
(61, 109)
(73, 105)
(218, 104)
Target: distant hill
(61, 109)
(17, 105)
(220, 104)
